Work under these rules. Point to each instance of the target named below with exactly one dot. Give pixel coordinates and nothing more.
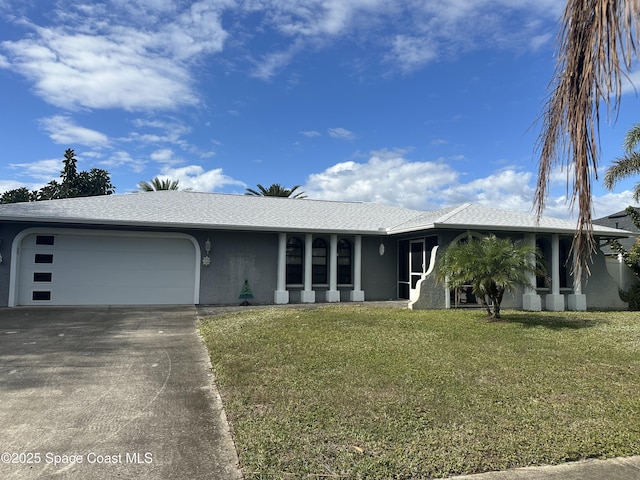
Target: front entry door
(416, 262)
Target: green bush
(632, 296)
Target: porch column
(577, 300)
(554, 301)
(281, 295)
(531, 301)
(333, 295)
(308, 295)
(357, 295)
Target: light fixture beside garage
(206, 260)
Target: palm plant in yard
(491, 265)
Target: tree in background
(18, 195)
(72, 184)
(157, 184)
(627, 165)
(597, 47)
(491, 266)
(276, 190)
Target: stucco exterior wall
(7, 234)
(379, 272)
(236, 257)
(600, 288)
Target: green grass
(353, 392)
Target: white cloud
(196, 178)
(412, 52)
(104, 58)
(507, 188)
(631, 83)
(267, 66)
(63, 130)
(122, 159)
(341, 133)
(386, 177)
(42, 170)
(165, 156)
(311, 133)
(612, 203)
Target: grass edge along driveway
(362, 392)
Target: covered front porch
(559, 290)
(310, 265)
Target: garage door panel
(114, 278)
(108, 269)
(119, 296)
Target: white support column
(554, 301)
(308, 295)
(281, 295)
(333, 295)
(357, 294)
(577, 300)
(531, 301)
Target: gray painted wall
(379, 272)
(601, 289)
(236, 257)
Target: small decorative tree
(245, 294)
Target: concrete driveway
(109, 392)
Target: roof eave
(186, 226)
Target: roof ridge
(453, 212)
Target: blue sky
(417, 103)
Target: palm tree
(597, 46)
(628, 165)
(276, 190)
(158, 184)
(491, 266)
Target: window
(295, 251)
(45, 239)
(319, 262)
(42, 276)
(41, 295)
(44, 258)
(344, 262)
(544, 247)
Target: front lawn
(376, 393)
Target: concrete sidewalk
(627, 468)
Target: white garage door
(82, 268)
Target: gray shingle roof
(186, 209)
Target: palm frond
(632, 138)
(596, 46)
(622, 168)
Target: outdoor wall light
(206, 260)
(381, 247)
